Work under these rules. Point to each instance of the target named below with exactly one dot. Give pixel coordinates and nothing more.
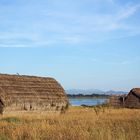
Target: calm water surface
(86, 101)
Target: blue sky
(82, 43)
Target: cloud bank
(52, 22)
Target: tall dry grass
(77, 123)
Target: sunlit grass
(78, 123)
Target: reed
(78, 123)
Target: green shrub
(3, 137)
(11, 120)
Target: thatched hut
(31, 93)
(133, 98)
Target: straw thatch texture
(31, 93)
(133, 98)
(117, 100)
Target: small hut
(117, 100)
(133, 98)
(31, 93)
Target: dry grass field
(78, 123)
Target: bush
(11, 120)
(3, 137)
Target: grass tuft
(3, 137)
(11, 119)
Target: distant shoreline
(88, 96)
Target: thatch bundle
(31, 93)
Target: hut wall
(132, 101)
(1, 107)
(116, 101)
(35, 106)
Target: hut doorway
(1, 106)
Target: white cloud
(52, 26)
(127, 11)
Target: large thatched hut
(133, 98)
(31, 93)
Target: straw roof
(133, 98)
(136, 92)
(21, 92)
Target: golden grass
(77, 123)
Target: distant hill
(93, 91)
(112, 92)
(84, 91)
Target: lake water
(86, 101)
